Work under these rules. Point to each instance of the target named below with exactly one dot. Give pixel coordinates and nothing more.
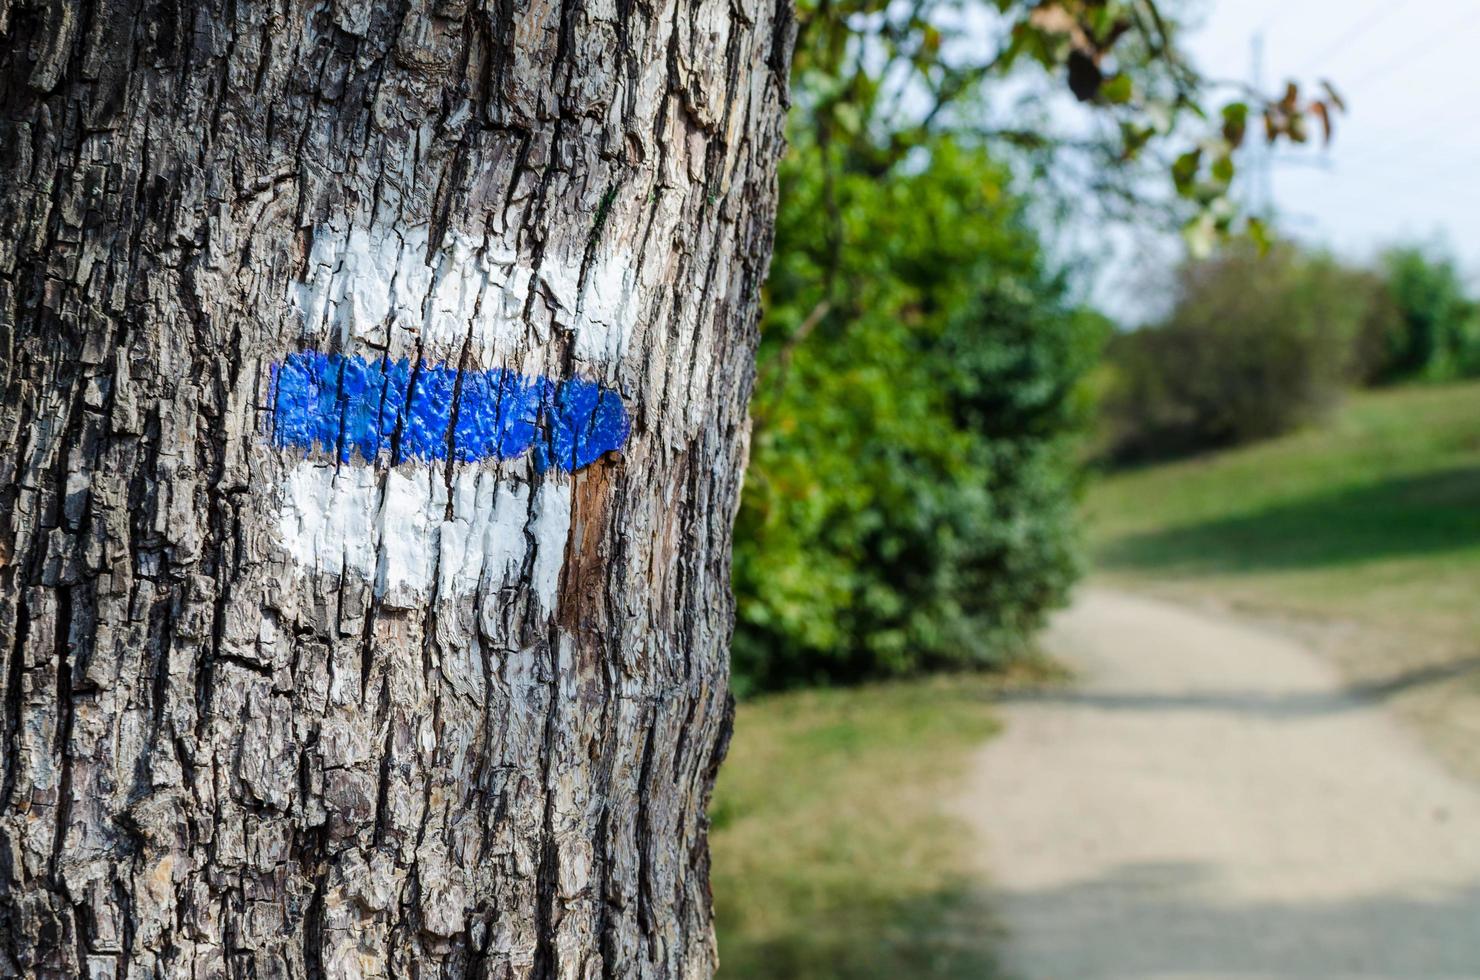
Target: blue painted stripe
(397, 411)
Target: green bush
(1433, 331)
(909, 504)
(1255, 346)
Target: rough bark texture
(278, 710)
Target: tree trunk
(374, 418)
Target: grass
(835, 854)
(1373, 518)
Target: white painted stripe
(412, 506)
(392, 527)
(550, 528)
(378, 287)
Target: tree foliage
(878, 80)
(909, 503)
(1433, 330)
(910, 497)
(1256, 345)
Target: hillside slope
(1362, 536)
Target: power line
(1428, 43)
(1422, 135)
(1425, 142)
(1369, 185)
(1379, 12)
(1424, 177)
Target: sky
(1405, 163)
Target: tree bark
(374, 385)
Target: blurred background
(1118, 396)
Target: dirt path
(1207, 801)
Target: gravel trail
(1207, 800)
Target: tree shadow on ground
(948, 935)
(1140, 920)
(1179, 919)
(1258, 704)
(1411, 516)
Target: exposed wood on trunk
(274, 708)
